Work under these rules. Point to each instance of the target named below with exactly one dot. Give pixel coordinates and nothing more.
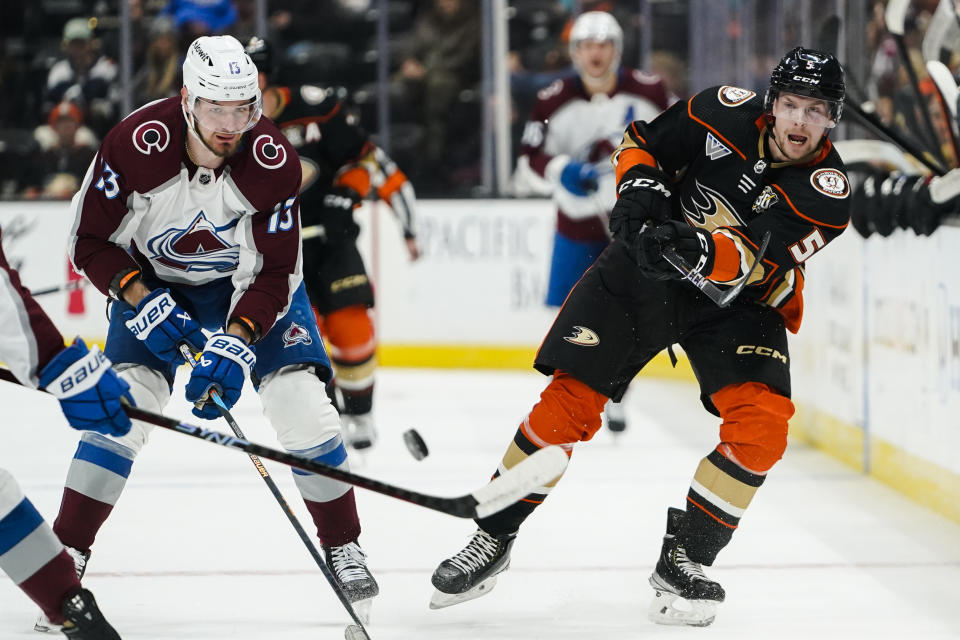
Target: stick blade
(536, 471)
(946, 84)
(896, 15)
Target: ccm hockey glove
(89, 390)
(695, 245)
(223, 366)
(641, 198)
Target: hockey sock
(331, 503)
(352, 352)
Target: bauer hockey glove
(162, 325)
(224, 364)
(90, 392)
(579, 178)
(640, 198)
(695, 245)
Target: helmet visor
(227, 117)
(802, 110)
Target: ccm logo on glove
(644, 183)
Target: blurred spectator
(84, 77)
(66, 149)
(160, 75)
(441, 59)
(195, 18)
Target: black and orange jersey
(713, 147)
(333, 150)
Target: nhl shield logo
(295, 334)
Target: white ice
(198, 548)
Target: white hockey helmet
(217, 69)
(598, 26)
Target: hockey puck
(415, 444)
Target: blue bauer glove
(579, 178)
(162, 325)
(223, 366)
(89, 390)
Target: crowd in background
(60, 77)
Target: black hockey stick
(719, 296)
(73, 285)
(508, 488)
(877, 127)
(190, 356)
(894, 17)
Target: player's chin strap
(719, 296)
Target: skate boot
(616, 416)
(473, 571)
(358, 430)
(84, 620)
(683, 595)
(80, 558)
(348, 563)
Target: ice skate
(358, 430)
(616, 417)
(473, 571)
(80, 559)
(683, 595)
(348, 563)
(84, 620)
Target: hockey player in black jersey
(341, 167)
(708, 177)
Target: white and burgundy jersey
(567, 124)
(28, 338)
(191, 225)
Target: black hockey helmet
(810, 73)
(261, 52)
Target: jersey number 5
(813, 242)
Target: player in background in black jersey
(341, 167)
(710, 177)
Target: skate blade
(353, 632)
(362, 609)
(441, 600)
(670, 609)
(43, 625)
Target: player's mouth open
(795, 139)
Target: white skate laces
(477, 553)
(349, 562)
(691, 569)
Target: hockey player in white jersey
(576, 124)
(188, 218)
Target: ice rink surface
(198, 548)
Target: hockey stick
(873, 124)
(508, 488)
(894, 18)
(719, 296)
(73, 285)
(190, 356)
(942, 32)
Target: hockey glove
(337, 213)
(693, 244)
(223, 366)
(579, 178)
(640, 199)
(89, 390)
(162, 325)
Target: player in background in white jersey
(90, 393)
(575, 125)
(188, 218)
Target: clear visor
(816, 113)
(227, 117)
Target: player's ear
(183, 96)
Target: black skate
(80, 558)
(84, 620)
(683, 595)
(349, 565)
(473, 571)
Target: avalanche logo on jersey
(708, 209)
(295, 334)
(268, 153)
(199, 247)
(715, 149)
(151, 135)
